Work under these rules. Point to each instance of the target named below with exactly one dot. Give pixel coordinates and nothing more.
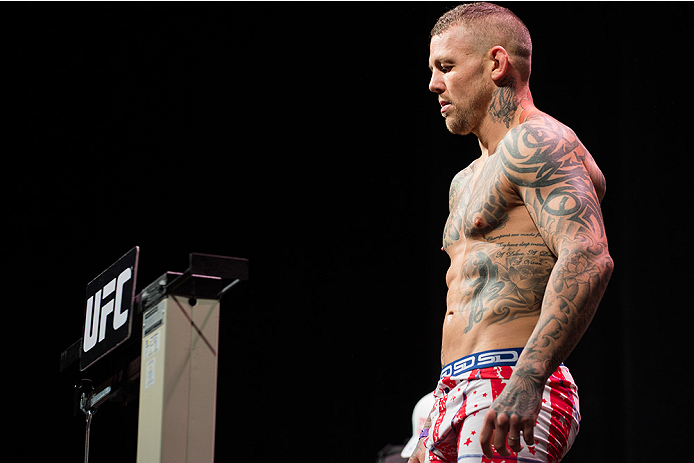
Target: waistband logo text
(481, 360)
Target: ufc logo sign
(97, 314)
(109, 309)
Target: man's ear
(501, 66)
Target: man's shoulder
(540, 151)
(464, 173)
(539, 130)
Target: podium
(159, 346)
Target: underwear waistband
(486, 359)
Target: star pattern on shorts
(469, 439)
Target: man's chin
(457, 127)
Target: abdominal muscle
(461, 337)
(481, 338)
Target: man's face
(458, 78)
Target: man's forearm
(419, 452)
(574, 290)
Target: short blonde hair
(492, 25)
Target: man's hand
(419, 454)
(515, 410)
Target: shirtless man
(529, 255)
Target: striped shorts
(465, 392)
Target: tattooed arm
(419, 454)
(552, 172)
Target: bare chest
(479, 202)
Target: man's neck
(494, 128)
(526, 107)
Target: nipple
(478, 221)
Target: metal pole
(89, 413)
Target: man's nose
(436, 83)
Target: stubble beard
(464, 119)
(458, 122)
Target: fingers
(502, 432)
(499, 429)
(514, 432)
(487, 433)
(494, 432)
(529, 432)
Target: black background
(303, 137)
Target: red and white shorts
(465, 392)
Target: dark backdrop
(303, 137)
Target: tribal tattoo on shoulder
(548, 160)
